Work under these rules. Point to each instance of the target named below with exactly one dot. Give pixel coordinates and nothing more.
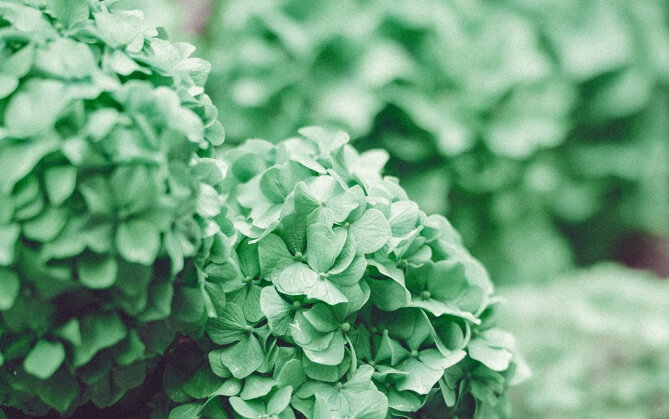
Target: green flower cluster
(539, 128)
(106, 197)
(342, 298)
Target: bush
(343, 298)
(106, 197)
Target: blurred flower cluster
(604, 357)
(538, 127)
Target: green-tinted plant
(107, 195)
(542, 146)
(342, 298)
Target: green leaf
(188, 305)
(70, 331)
(404, 401)
(321, 409)
(8, 84)
(323, 247)
(403, 217)
(352, 274)
(230, 387)
(69, 12)
(216, 365)
(134, 349)
(327, 141)
(249, 298)
(371, 231)
(390, 349)
(420, 378)
(44, 359)
(119, 31)
(495, 358)
(47, 225)
(243, 357)
(29, 20)
(435, 359)
(186, 411)
(279, 401)
(133, 188)
(10, 286)
(256, 386)
(159, 305)
(9, 234)
(59, 391)
(306, 336)
(388, 295)
(250, 409)
(202, 384)
(296, 279)
(277, 310)
(273, 255)
(369, 404)
(325, 373)
(101, 122)
(98, 331)
(332, 355)
(208, 204)
(97, 273)
(18, 159)
(66, 59)
(228, 327)
(343, 204)
(19, 64)
(326, 291)
(98, 195)
(321, 318)
(129, 376)
(291, 374)
(35, 108)
(138, 241)
(211, 171)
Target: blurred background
(540, 128)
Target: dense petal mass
(369, 301)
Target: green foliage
(542, 146)
(596, 340)
(105, 200)
(338, 298)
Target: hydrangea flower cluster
(106, 197)
(342, 298)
